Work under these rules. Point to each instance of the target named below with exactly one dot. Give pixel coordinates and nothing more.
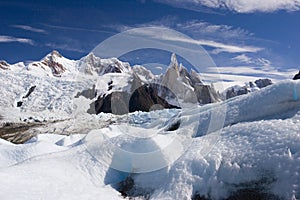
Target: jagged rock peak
(56, 53)
(174, 62)
(91, 56)
(195, 77)
(55, 62)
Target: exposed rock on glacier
(144, 98)
(297, 76)
(247, 88)
(4, 65)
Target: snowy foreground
(248, 145)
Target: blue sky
(235, 32)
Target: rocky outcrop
(247, 88)
(115, 102)
(56, 67)
(31, 89)
(88, 93)
(233, 92)
(261, 83)
(4, 65)
(205, 94)
(144, 98)
(177, 83)
(297, 76)
(53, 64)
(188, 86)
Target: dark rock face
(4, 65)
(252, 194)
(88, 93)
(31, 89)
(57, 68)
(112, 69)
(115, 103)
(230, 93)
(205, 94)
(174, 126)
(144, 98)
(297, 76)
(261, 83)
(19, 103)
(242, 91)
(233, 93)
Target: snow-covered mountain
(111, 79)
(53, 64)
(91, 64)
(64, 147)
(187, 86)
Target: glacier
(256, 149)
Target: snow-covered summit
(94, 65)
(53, 64)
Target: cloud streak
(201, 33)
(7, 39)
(65, 47)
(78, 29)
(218, 46)
(260, 62)
(203, 29)
(29, 28)
(240, 6)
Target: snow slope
(245, 144)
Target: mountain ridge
(113, 75)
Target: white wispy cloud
(241, 6)
(197, 28)
(243, 58)
(30, 28)
(200, 33)
(6, 39)
(218, 46)
(261, 62)
(78, 29)
(194, 28)
(66, 47)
